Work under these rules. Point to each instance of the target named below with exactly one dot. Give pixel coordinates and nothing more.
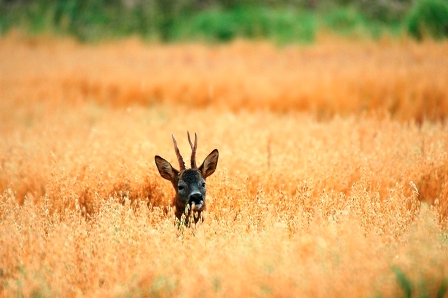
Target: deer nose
(196, 198)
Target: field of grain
(332, 179)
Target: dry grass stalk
(299, 206)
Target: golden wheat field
(332, 179)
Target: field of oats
(332, 179)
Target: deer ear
(208, 167)
(166, 170)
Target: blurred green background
(283, 21)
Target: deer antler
(193, 149)
(179, 157)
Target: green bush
(248, 22)
(350, 21)
(386, 11)
(283, 21)
(428, 18)
(343, 20)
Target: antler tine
(179, 157)
(193, 149)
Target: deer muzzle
(197, 199)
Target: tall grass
(352, 204)
(330, 78)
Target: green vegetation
(255, 22)
(283, 21)
(429, 18)
(420, 288)
(403, 281)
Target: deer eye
(180, 187)
(203, 184)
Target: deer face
(189, 184)
(191, 189)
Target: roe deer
(189, 184)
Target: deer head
(189, 184)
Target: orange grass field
(332, 179)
